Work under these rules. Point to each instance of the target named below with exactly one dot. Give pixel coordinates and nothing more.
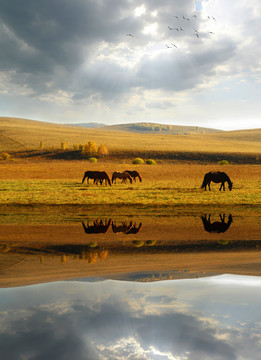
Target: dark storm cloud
(51, 45)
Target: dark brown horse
(100, 176)
(97, 176)
(124, 176)
(217, 226)
(216, 177)
(98, 227)
(88, 175)
(134, 174)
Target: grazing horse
(98, 227)
(100, 176)
(216, 177)
(217, 226)
(134, 174)
(88, 175)
(124, 176)
(97, 176)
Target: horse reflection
(98, 227)
(217, 226)
(134, 229)
(126, 228)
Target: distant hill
(151, 140)
(89, 125)
(155, 128)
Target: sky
(179, 62)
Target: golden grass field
(59, 183)
(21, 134)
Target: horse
(134, 174)
(217, 226)
(88, 175)
(216, 177)
(124, 176)
(99, 176)
(98, 227)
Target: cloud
(80, 49)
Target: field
(21, 135)
(59, 183)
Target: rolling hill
(21, 134)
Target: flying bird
(197, 35)
(211, 32)
(195, 16)
(181, 29)
(167, 46)
(129, 35)
(170, 28)
(175, 45)
(176, 17)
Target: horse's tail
(139, 176)
(84, 176)
(129, 177)
(107, 178)
(113, 177)
(204, 184)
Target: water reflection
(187, 319)
(101, 226)
(216, 226)
(98, 226)
(125, 227)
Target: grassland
(59, 183)
(22, 134)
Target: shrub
(5, 156)
(223, 162)
(90, 148)
(92, 160)
(103, 150)
(138, 161)
(41, 144)
(151, 162)
(63, 145)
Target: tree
(91, 148)
(103, 150)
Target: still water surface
(111, 301)
(208, 318)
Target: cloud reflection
(185, 319)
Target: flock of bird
(180, 27)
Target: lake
(114, 283)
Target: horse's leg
(222, 218)
(209, 186)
